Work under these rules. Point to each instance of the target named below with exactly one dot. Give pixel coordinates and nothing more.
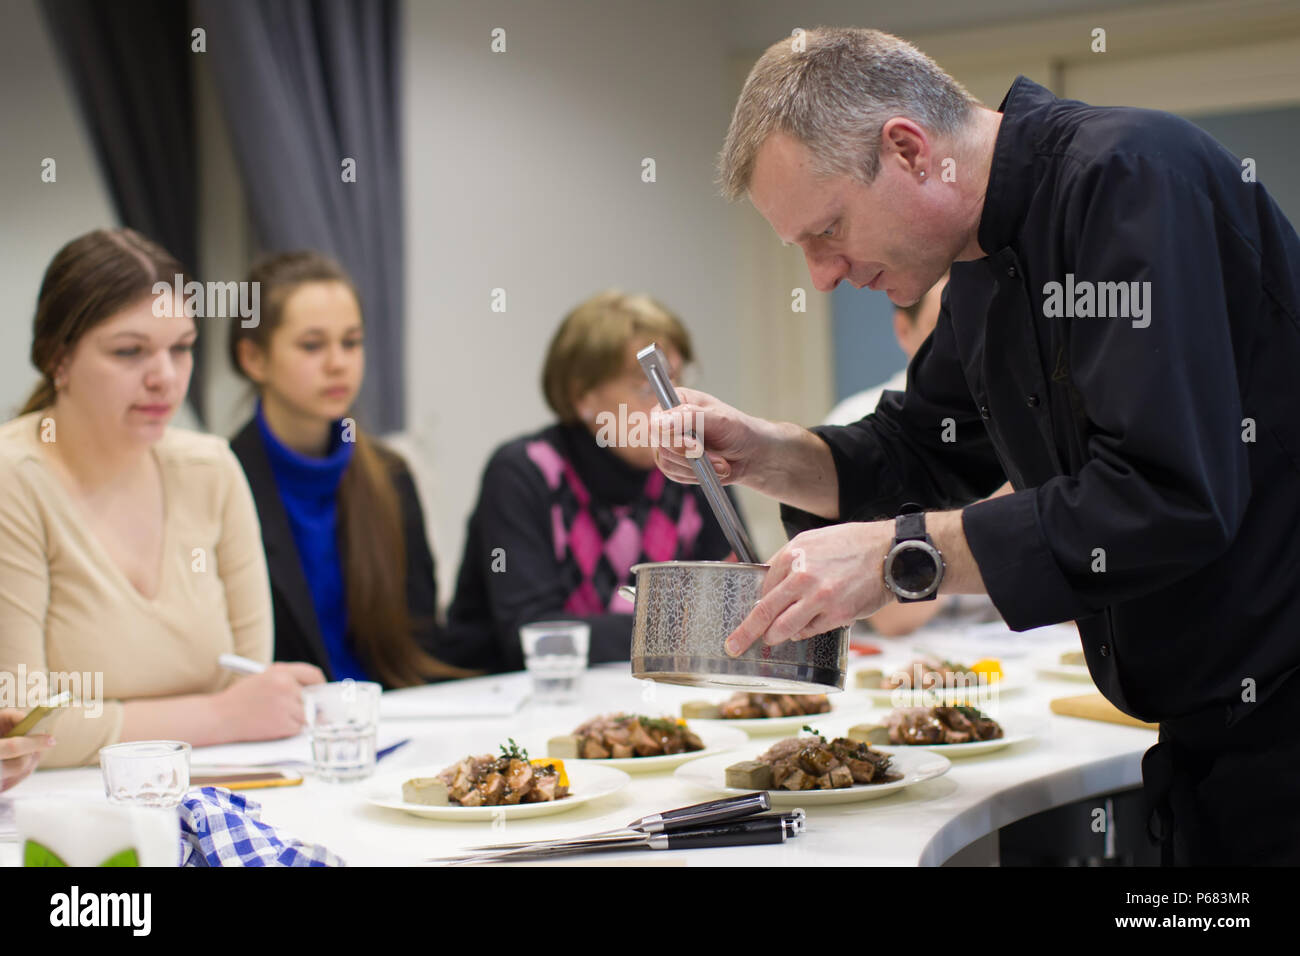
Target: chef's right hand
(733, 440)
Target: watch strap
(910, 527)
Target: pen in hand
(240, 665)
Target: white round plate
(929, 698)
(768, 726)
(587, 782)
(1066, 671)
(716, 740)
(1014, 734)
(915, 765)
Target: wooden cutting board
(1096, 707)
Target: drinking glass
(555, 654)
(146, 773)
(343, 718)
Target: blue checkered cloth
(220, 828)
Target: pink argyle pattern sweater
(597, 544)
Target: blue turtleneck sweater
(309, 491)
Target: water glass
(343, 719)
(146, 773)
(555, 654)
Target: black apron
(1223, 787)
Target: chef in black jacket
(1120, 337)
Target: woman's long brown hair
(89, 279)
(372, 539)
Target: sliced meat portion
(643, 742)
(817, 759)
(940, 725)
(748, 706)
(810, 762)
(627, 735)
(487, 781)
(914, 725)
(519, 775)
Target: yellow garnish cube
(990, 666)
(555, 762)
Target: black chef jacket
(1161, 444)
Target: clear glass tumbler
(555, 654)
(343, 719)
(146, 773)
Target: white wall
(524, 173)
(756, 24)
(37, 120)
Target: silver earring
(923, 174)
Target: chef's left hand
(821, 580)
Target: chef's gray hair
(833, 90)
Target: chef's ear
(906, 142)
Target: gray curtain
(129, 67)
(306, 86)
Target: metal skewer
(656, 370)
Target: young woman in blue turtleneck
(352, 577)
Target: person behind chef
(564, 513)
(1153, 440)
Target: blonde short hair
(590, 346)
(833, 90)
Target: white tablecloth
(1071, 760)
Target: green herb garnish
(662, 724)
(816, 733)
(514, 751)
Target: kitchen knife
(695, 815)
(754, 831)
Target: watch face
(913, 569)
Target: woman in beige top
(129, 551)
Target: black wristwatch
(914, 566)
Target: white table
(924, 825)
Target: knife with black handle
(697, 814)
(754, 831)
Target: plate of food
(760, 714)
(956, 731)
(810, 770)
(637, 743)
(487, 787)
(1071, 666)
(929, 680)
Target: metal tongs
(733, 821)
(656, 370)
